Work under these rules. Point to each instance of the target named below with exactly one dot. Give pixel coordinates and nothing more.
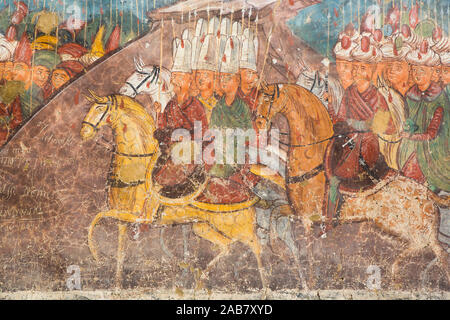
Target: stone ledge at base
(176, 294)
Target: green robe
(432, 155)
(10, 90)
(31, 99)
(223, 117)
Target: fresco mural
(207, 147)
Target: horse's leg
(205, 231)
(243, 229)
(404, 254)
(91, 244)
(442, 257)
(120, 253)
(284, 231)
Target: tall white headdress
(200, 32)
(229, 62)
(249, 50)
(207, 59)
(182, 54)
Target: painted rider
(247, 69)
(353, 160)
(182, 112)
(204, 62)
(344, 62)
(424, 150)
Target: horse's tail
(441, 201)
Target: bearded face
(422, 75)
(344, 70)
(181, 82)
(363, 72)
(204, 80)
(445, 75)
(397, 73)
(40, 75)
(249, 79)
(229, 83)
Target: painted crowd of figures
(378, 139)
(36, 64)
(389, 107)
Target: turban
(71, 67)
(366, 52)
(73, 49)
(46, 58)
(418, 57)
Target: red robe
(166, 173)
(14, 112)
(183, 116)
(345, 162)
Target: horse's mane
(137, 113)
(311, 110)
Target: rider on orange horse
(353, 161)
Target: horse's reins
(108, 107)
(315, 171)
(155, 74)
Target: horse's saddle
(177, 180)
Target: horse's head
(268, 104)
(311, 80)
(145, 79)
(102, 111)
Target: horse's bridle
(108, 104)
(154, 75)
(272, 99)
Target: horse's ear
(89, 98)
(264, 86)
(137, 64)
(141, 62)
(97, 98)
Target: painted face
(445, 75)
(344, 70)
(436, 74)
(59, 78)
(363, 72)
(397, 73)
(40, 75)
(8, 71)
(249, 79)
(229, 83)
(422, 75)
(181, 81)
(2, 69)
(21, 72)
(204, 80)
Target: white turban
(445, 58)
(442, 45)
(430, 58)
(343, 54)
(7, 49)
(388, 52)
(372, 55)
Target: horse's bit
(108, 107)
(154, 75)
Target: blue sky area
(318, 25)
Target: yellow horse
(399, 206)
(132, 197)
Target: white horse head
(312, 81)
(151, 80)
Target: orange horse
(399, 206)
